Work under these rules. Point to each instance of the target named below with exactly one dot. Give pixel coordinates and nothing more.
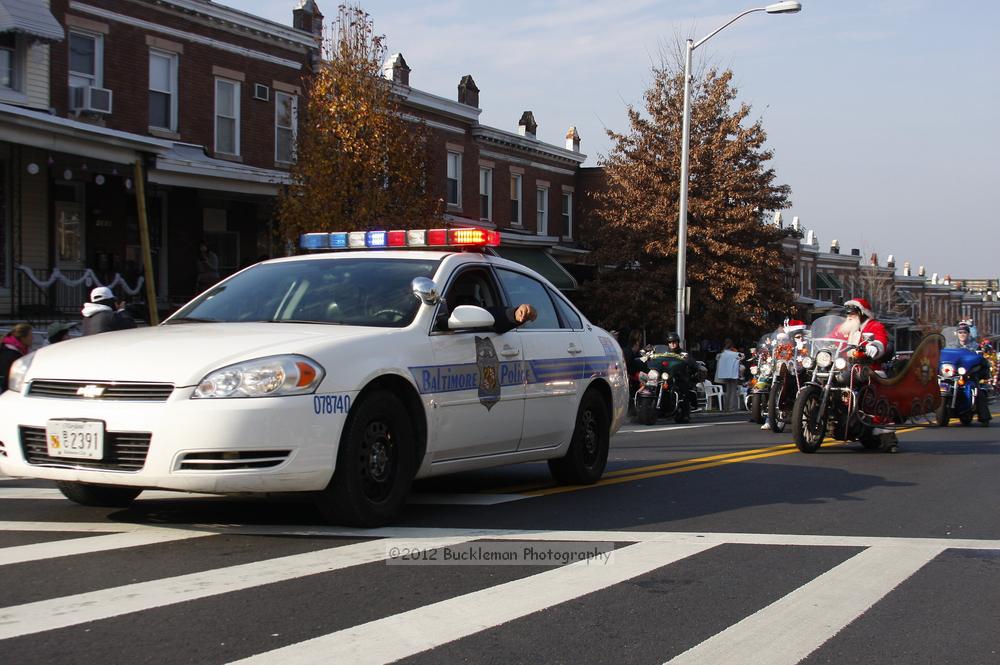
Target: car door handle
(574, 349)
(509, 352)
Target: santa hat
(794, 325)
(861, 304)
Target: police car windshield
(345, 291)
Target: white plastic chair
(712, 391)
(745, 398)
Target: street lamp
(786, 7)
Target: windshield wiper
(192, 319)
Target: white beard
(852, 324)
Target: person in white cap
(102, 313)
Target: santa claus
(860, 317)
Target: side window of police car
(570, 319)
(523, 289)
(470, 287)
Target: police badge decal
(488, 364)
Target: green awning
(827, 280)
(541, 262)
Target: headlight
(765, 368)
(753, 370)
(823, 359)
(807, 363)
(961, 371)
(653, 375)
(15, 379)
(275, 376)
(840, 363)
(947, 370)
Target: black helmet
(673, 337)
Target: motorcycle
(666, 388)
(759, 385)
(789, 377)
(846, 398)
(964, 378)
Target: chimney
(811, 238)
(835, 247)
(795, 224)
(308, 18)
(855, 252)
(572, 140)
(906, 269)
(468, 93)
(777, 219)
(396, 70)
(934, 278)
(921, 272)
(891, 262)
(947, 279)
(526, 126)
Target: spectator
(208, 268)
(58, 332)
(16, 344)
(727, 372)
(104, 313)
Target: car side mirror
(426, 290)
(470, 317)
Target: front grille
(123, 451)
(230, 460)
(122, 391)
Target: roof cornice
(525, 144)
(239, 19)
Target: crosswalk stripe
(101, 543)
(95, 605)
(776, 635)
(401, 635)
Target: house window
(227, 117)
(542, 212)
(286, 111)
(454, 179)
(7, 78)
(163, 90)
(86, 59)
(515, 199)
(486, 194)
(567, 215)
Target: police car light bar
(429, 238)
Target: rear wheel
(103, 496)
(807, 430)
(584, 461)
(375, 465)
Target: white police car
(342, 373)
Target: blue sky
(883, 114)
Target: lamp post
(785, 7)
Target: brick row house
(911, 304)
(205, 98)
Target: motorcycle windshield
(828, 333)
(765, 346)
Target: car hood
(180, 354)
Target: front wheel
(103, 496)
(645, 411)
(776, 417)
(943, 414)
(375, 465)
(807, 430)
(966, 418)
(584, 461)
(756, 409)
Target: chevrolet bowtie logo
(90, 392)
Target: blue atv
(964, 378)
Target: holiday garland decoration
(89, 278)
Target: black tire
(808, 433)
(375, 464)
(983, 408)
(966, 418)
(943, 414)
(103, 496)
(756, 409)
(584, 461)
(645, 412)
(775, 417)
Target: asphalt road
(720, 544)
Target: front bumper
(194, 445)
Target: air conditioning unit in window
(90, 98)
(261, 92)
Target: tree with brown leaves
(359, 164)
(735, 266)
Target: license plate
(79, 439)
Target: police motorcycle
(789, 376)
(964, 378)
(761, 369)
(666, 387)
(846, 399)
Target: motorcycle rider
(860, 317)
(964, 335)
(674, 346)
